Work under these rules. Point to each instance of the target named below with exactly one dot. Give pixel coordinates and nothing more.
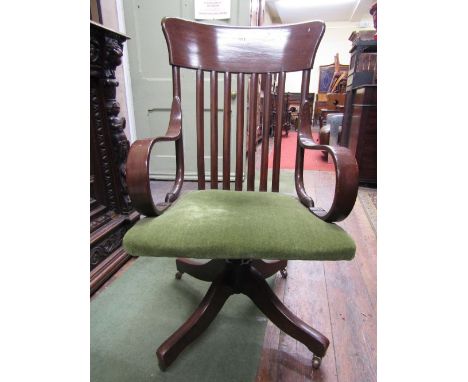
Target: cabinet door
(152, 83)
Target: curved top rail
(282, 48)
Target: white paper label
(212, 9)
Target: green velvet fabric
(227, 224)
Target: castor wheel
(178, 275)
(316, 361)
(284, 273)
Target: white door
(152, 83)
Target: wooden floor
(337, 298)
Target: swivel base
(232, 277)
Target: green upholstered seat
(227, 224)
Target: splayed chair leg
(206, 312)
(269, 268)
(241, 276)
(255, 287)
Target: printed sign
(212, 9)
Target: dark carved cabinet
(359, 132)
(111, 213)
(361, 135)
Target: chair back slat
(266, 134)
(200, 129)
(300, 151)
(214, 128)
(176, 81)
(253, 92)
(227, 132)
(304, 93)
(240, 132)
(277, 143)
(305, 85)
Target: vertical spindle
(240, 132)
(227, 132)
(279, 124)
(200, 130)
(252, 132)
(266, 134)
(214, 128)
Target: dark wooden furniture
(363, 61)
(111, 211)
(325, 112)
(359, 131)
(338, 82)
(373, 12)
(287, 123)
(335, 96)
(361, 137)
(293, 100)
(258, 123)
(323, 99)
(240, 52)
(293, 106)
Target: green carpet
(140, 309)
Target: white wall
(266, 17)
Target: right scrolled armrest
(346, 170)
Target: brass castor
(178, 275)
(316, 362)
(284, 273)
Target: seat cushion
(236, 225)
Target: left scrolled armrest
(138, 163)
(346, 170)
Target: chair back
(253, 54)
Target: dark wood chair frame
(241, 51)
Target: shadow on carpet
(140, 309)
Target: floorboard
(337, 298)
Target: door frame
(257, 9)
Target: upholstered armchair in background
(330, 133)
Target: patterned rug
(368, 198)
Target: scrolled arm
(138, 163)
(346, 170)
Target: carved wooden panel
(111, 213)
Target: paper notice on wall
(212, 9)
